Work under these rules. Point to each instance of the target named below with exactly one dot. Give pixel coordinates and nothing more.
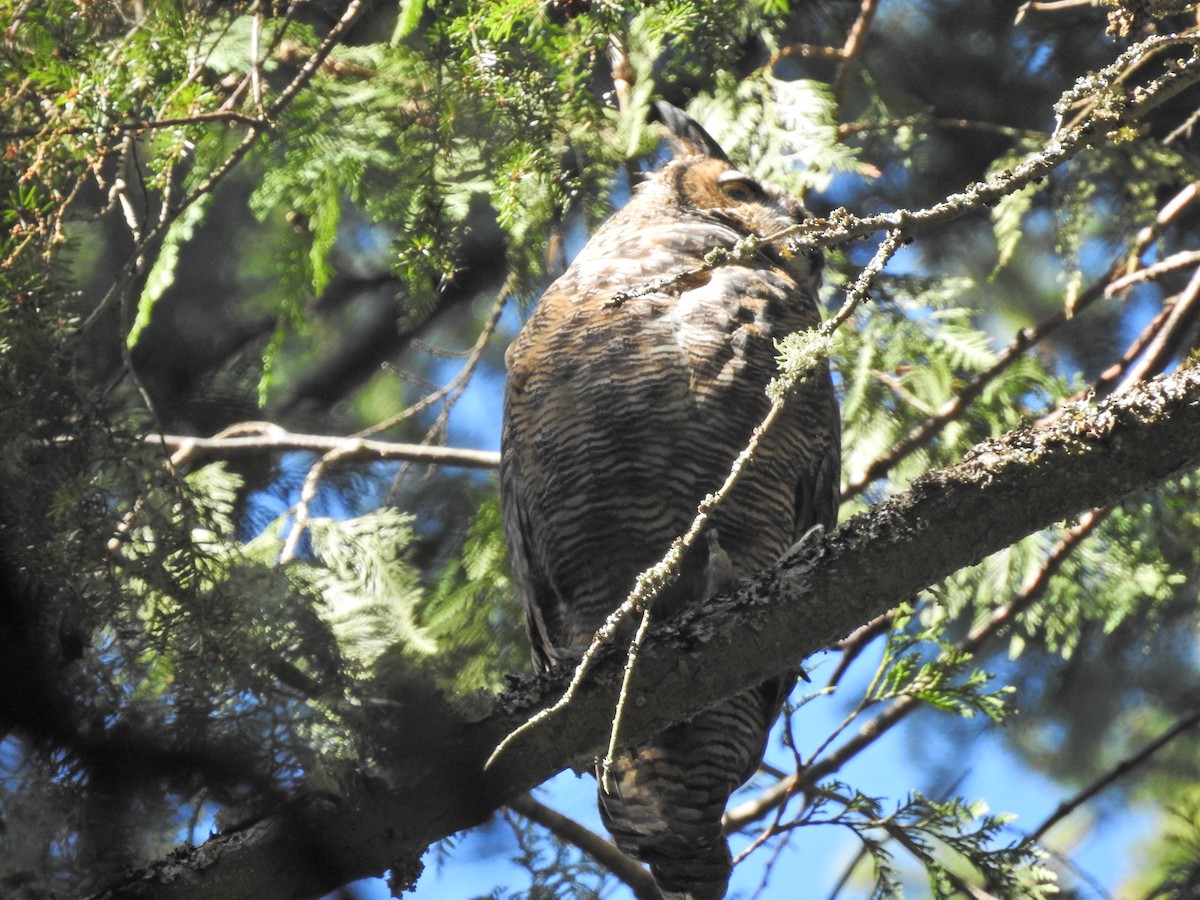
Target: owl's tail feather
(668, 796)
(692, 878)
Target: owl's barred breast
(637, 409)
(632, 389)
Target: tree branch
(1124, 105)
(856, 40)
(435, 784)
(276, 440)
(137, 262)
(599, 848)
(1123, 767)
(1113, 281)
(900, 708)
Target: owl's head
(703, 181)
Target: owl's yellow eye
(739, 188)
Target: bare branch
(1106, 779)
(1169, 336)
(449, 393)
(846, 129)
(861, 288)
(597, 847)
(856, 41)
(299, 512)
(276, 440)
(1022, 342)
(1049, 6)
(1172, 263)
(228, 117)
(454, 388)
(856, 642)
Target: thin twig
(614, 735)
(773, 830)
(450, 393)
(1032, 591)
(769, 867)
(456, 384)
(1122, 768)
(137, 261)
(636, 878)
(862, 285)
(1149, 353)
(227, 117)
(1022, 341)
(1113, 373)
(953, 408)
(856, 40)
(1162, 348)
(848, 129)
(276, 440)
(1172, 263)
(308, 495)
(353, 448)
(856, 642)
(1049, 6)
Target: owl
(632, 388)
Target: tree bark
(1002, 491)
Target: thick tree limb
(1005, 489)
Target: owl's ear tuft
(686, 131)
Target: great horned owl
(632, 388)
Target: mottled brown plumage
(632, 388)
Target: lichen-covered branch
(1004, 490)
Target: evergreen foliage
(236, 218)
